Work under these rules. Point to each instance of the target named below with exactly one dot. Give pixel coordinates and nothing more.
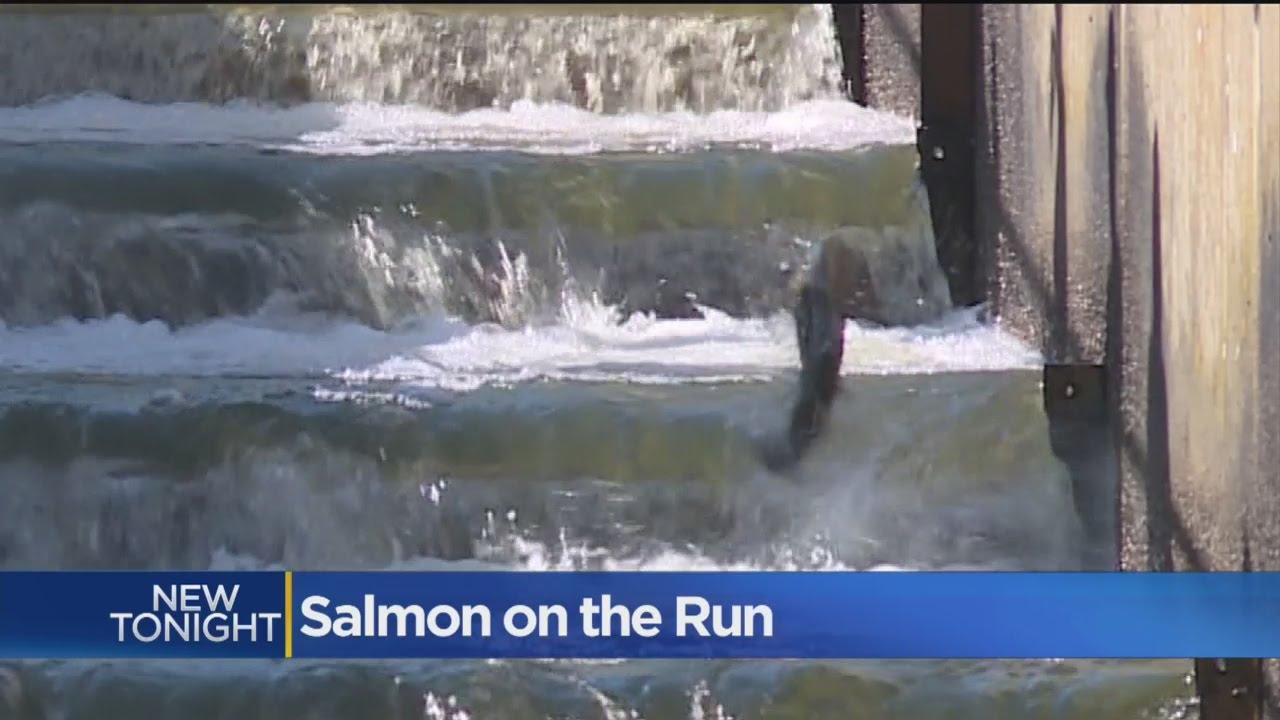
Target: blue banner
(47, 615)
(630, 615)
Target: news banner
(637, 615)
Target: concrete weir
(1104, 177)
(1125, 218)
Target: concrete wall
(892, 33)
(890, 36)
(1127, 167)
(1131, 201)
(1129, 190)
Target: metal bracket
(1075, 402)
(1076, 392)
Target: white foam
(586, 345)
(371, 128)
(534, 556)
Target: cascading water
(611, 62)
(447, 288)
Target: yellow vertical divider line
(288, 614)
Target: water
(406, 289)
(453, 61)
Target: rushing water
(604, 62)
(404, 289)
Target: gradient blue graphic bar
(814, 615)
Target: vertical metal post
(949, 37)
(1229, 689)
(853, 54)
